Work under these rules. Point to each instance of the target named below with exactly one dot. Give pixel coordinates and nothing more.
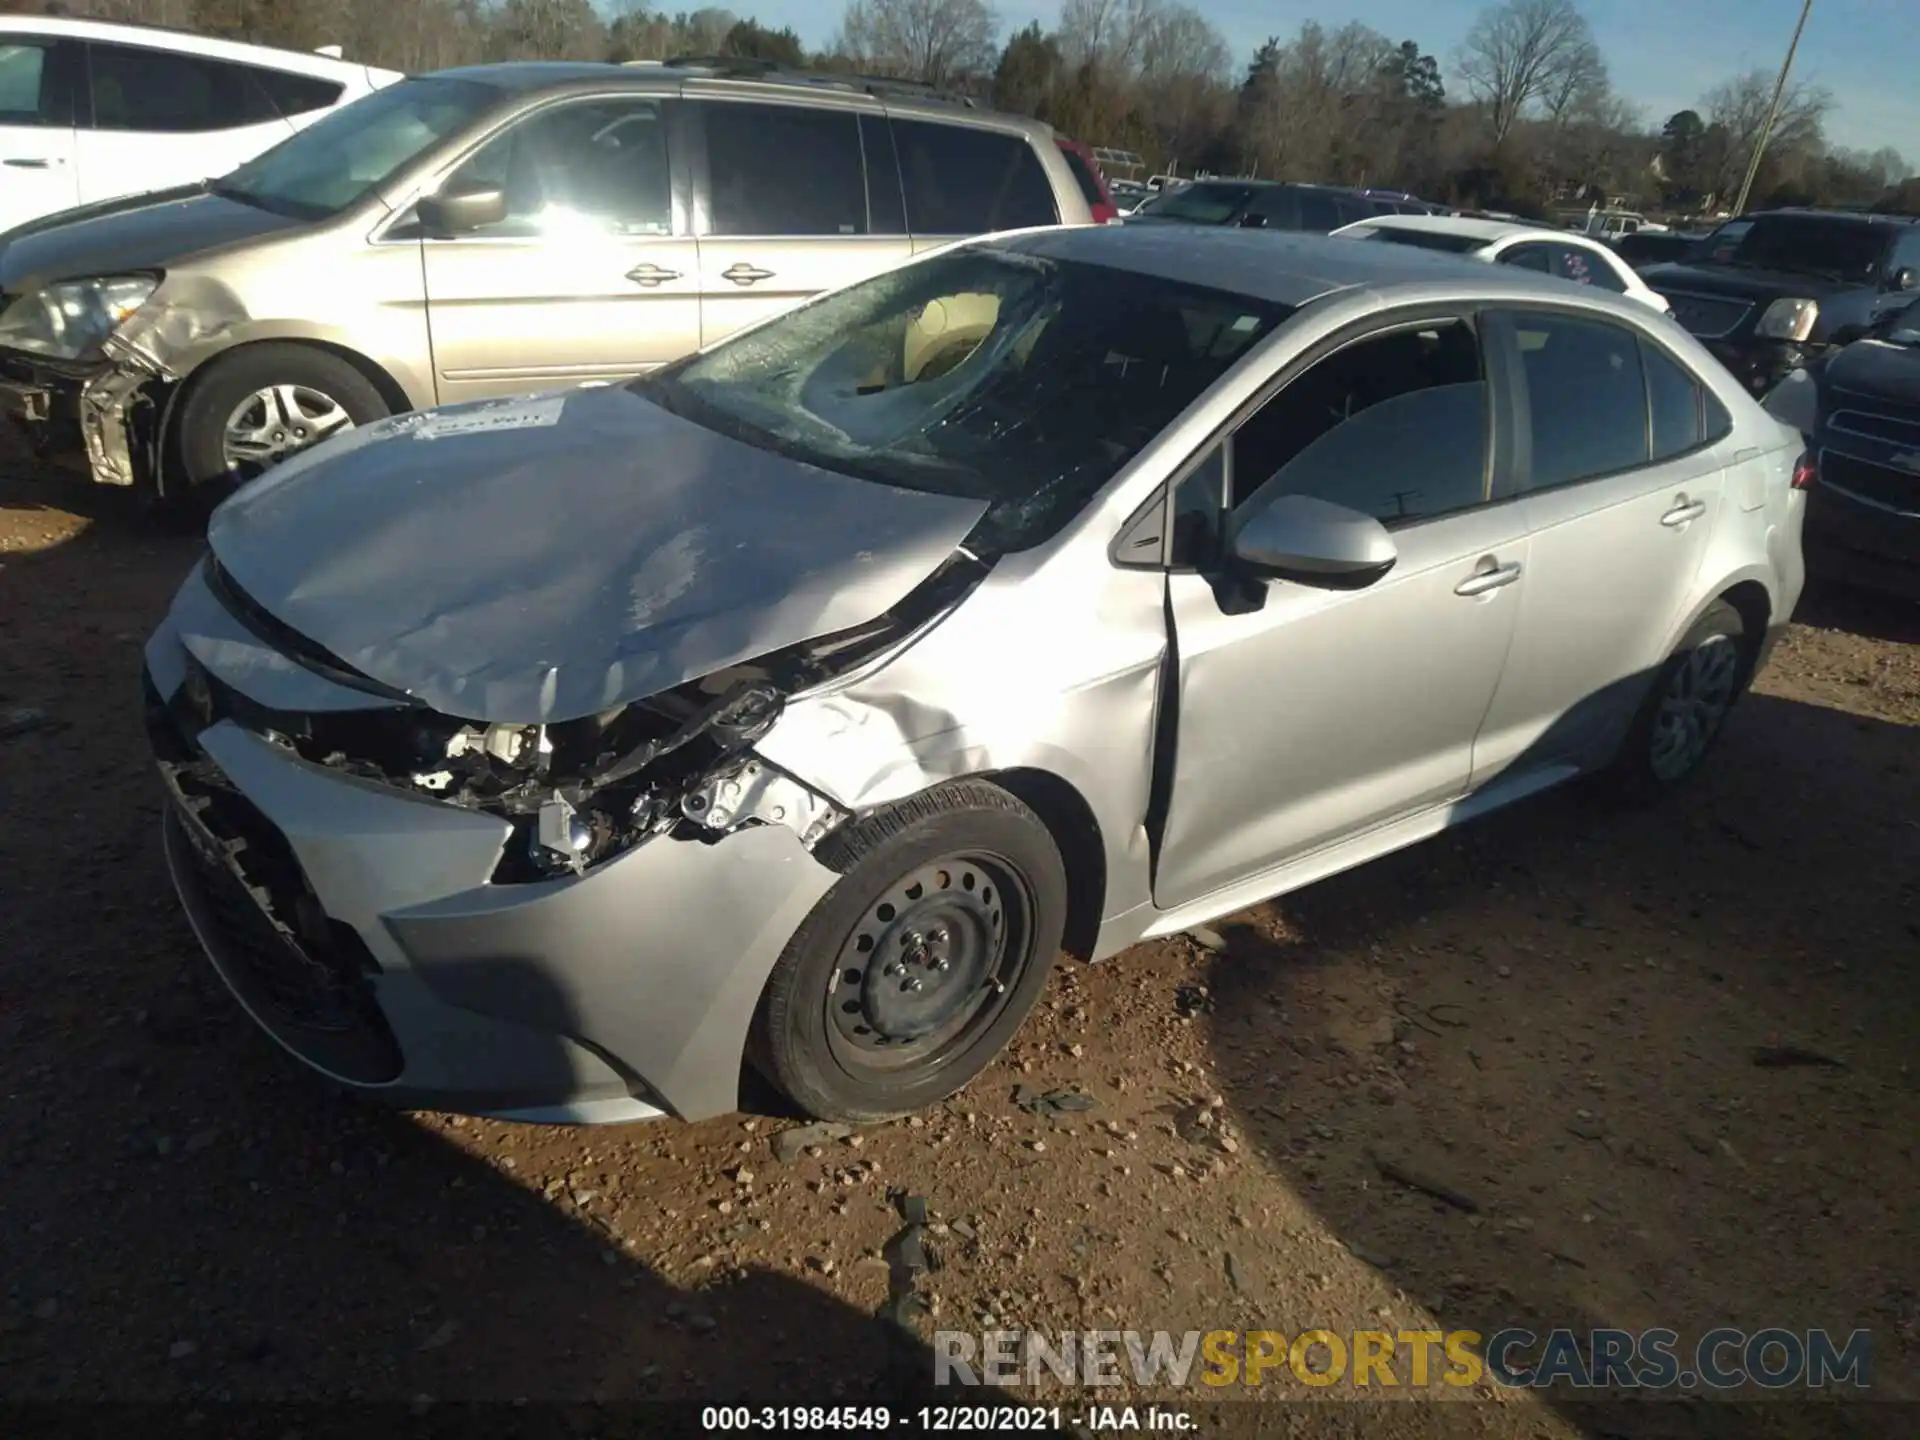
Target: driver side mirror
(456, 212)
(1311, 542)
(1905, 278)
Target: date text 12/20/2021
(943, 1419)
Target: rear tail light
(1805, 472)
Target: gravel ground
(1553, 1015)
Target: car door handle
(26, 162)
(1684, 512)
(1481, 581)
(741, 273)
(651, 274)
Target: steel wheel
(275, 421)
(1699, 693)
(928, 966)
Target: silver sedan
(795, 706)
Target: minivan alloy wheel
(275, 421)
(1699, 693)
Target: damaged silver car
(561, 757)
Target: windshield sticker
(508, 415)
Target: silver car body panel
(534, 561)
(1214, 759)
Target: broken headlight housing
(71, 320)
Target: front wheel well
(1066, 813)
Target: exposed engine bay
(582, 791)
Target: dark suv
(1273, 205)
(1795, 283)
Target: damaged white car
(559, 758)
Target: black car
(1794, 283)
(1657, 247)
(1270, 205)
(1861, 405)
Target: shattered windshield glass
(341, 156)
(989, 373)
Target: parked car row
(481, 232)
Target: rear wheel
(1688, 706)
(253, 408)
(915, 970)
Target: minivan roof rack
(744, 67)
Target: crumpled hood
(540, 559)
(133, 232)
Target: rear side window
(1394, 426)
(31, 92)
(1583, 267)
(163, 93)
(963, 181)
(1674, 399)
(1716, 423)
(886, 210)
(784, 170)
(1529, 257)
(1084, 177)
(1586, 398)
(298, 94)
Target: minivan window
(1084, 178)
(585, 166)
(1394, 426)
(26, 82)
(1203, 203)
(1022, 381)
(784, 170)
(297, 94)
(348, 153)
(162, 92)
(1586, 398)
(961, 180)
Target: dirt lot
(1553, 1015)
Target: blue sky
(1663, 53)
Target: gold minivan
(479, 232)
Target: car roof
(185, 42)
(1283, 267)
(1487, 230)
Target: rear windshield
(1427, 239)
(984, 372)
(344, 155)
(1083, 176)
(1204, 204)
(1812, 245)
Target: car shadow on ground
(1867, 613)
(1590, 1066)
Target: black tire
(1651, 763)
(200, 472)
(836, 1026)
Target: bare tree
(936, 41)
(1526, 52)
(1736, 114)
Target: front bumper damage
(100, 417)
(365, 926)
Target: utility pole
(1773, 112)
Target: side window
(1715, 423)
(1395, 426)
(33, 89)
(1530, 257)
(1586, 398)
(1674, 398)
(163, 93)
(1583, 267)
(1275, 204)
(784, 170)
(1906, 250)
(298, 94)
(1318, 212)
(1349, 212)
(599, 163)
(1083, 176)
(886, 208)
(964, 181)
